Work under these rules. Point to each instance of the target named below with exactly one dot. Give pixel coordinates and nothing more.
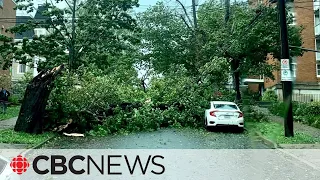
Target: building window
(1, 3)
(290, 10)
(318, 69)
(317, 22)
(22, 68)
(294, 66)
(317, 48)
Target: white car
(6, 172)
(223, 113)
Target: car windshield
(225, 106)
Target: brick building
(306, 69)
(7, 20)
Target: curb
(266, 141)
(299, 146)
(28, 151)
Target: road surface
(163, 139)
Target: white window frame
(290, 5)
(294, 66)
(294, 69)
(19, 69)
(318, 69)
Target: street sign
(286, 75)
(285, 64)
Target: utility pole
(286, 70)
(194, 14)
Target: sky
(144, 4)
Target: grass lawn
(12, 111)
(12, 137)
(275, 133)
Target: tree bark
(35, 99)
(236, 77)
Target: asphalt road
(221, 155)
(163, 139)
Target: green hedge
(308, 113)
(270, 96)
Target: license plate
(227, 117)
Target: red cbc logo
(19, 164)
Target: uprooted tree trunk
(35, 99)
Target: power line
(306, 49)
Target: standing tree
(254, 35)
(88, 32)
(166, 39)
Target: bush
(313, 108)
(278, 108)
(253, 115)
(270, 96)
(14, 99)
(19, 88)
(307, 113)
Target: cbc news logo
(19, 164)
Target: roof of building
(23, 20)
(38, 16)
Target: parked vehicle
(223, 113)
(6, 172)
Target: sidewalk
(312, 131)
(8, 124)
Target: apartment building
(19, 70)
(7, 20)
(306, 69)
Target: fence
(303, 97)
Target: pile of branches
(94, 118)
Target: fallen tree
(32, 112)
(93, 118)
